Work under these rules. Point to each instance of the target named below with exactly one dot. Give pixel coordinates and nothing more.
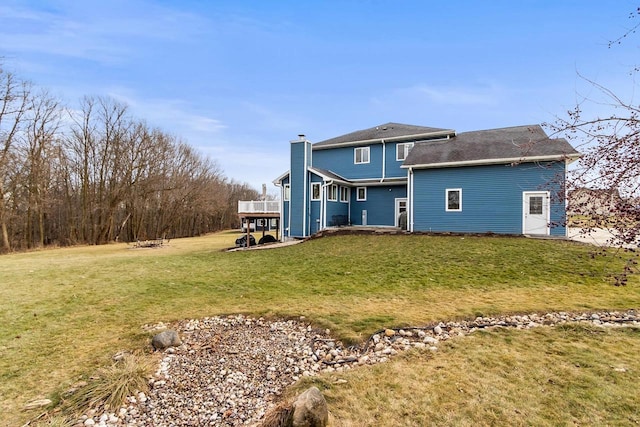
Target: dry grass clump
(279, 416)
(53, 421)
(112, 385)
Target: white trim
(396, 206)
(358, 199)
(410, 197)
(346, 193)
(384, 160)
(286, 195)
(547, 203)
(329, 178)
(305, 188)
(330, 191)
(404, 145)
(446, 200)
(278, 181)
(378, 181)
(493, 161)
(367, 150)
(445, 134)
(319, 185)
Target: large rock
(165, 339)
(310, 409)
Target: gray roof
(327, 174)
(393, 131)
(504, 145)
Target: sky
(238, 79)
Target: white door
(401, 208)
(535, 212)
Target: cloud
(173, 115)
(101, 33)
(475, 95)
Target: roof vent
(302, 136)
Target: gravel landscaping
(230, 370)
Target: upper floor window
(402, 150)
(344, 194)
(333, 192)
(454, 200)
(315, 191)
(287, 192)
(361, 155)
(361, 194)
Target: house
(508, 180)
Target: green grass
(65, 312)
(569, 375)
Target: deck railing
(258, 206)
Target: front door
(401, 213)
(536, 212)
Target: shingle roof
(490, 146)
(393, 131)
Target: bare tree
(42, 124)
(604, 187)
(14, 100)
(609, 171)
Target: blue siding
(341, 162)
(380, 205)
(392, 165)
(298, 178)
(335, 210)
(491, 197)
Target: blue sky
(239, 79)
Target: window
(454, 200)
(315, 191)
(402, 150)
(361, 194)
(333, 192)
(344, 194)
(535, 205)
(287, 192)
(361, 155)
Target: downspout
(384, 160)
(410, 195)
(281, 218)
(324, 203)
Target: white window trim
(404, 146)
(333, 190)
(446, 200)
(345, 191)
(355, 155)
(319, 185)
(287, 192)
(358, 199)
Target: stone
(310, 409)
(437, 330)
(389, 332)
(166, 339)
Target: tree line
(96, 174)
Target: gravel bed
(230, 370)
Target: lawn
(65, 312)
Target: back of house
(416, 178)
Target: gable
(387, 132)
